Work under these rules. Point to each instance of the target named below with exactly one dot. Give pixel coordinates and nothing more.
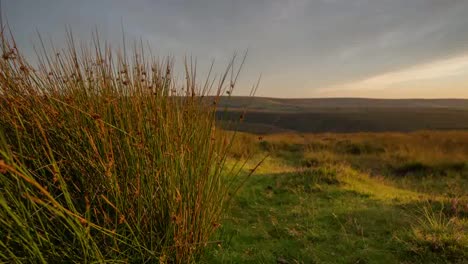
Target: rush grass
(104, 156)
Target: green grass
(299, 220)
(314, 201)
(440, 235)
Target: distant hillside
(293, 105)
(270, 115)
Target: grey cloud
(308, 44)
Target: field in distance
(343, 115)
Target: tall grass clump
(105, 156)
(437, 233)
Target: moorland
(105, 157)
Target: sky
(300, 48)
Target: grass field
(351, 198)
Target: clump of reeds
(104, 156)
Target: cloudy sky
(315, 48)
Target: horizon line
(352, 97)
